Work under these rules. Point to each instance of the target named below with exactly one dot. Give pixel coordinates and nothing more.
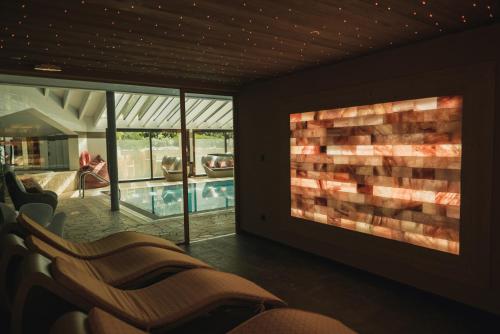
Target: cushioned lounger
(96, 322)
(277, 321)
(130, 268)
(287, 321)
(102, 247)
(127, 268)
(174, 301)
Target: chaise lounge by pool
(166, 201)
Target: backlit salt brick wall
(390, 169)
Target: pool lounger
(50, 289)
(108, 245)
(277, 321)
(128, 269)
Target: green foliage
(136, 140)
(213, 134)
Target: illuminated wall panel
(390, 169)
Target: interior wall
(73, 153)
(96, 145)
(459, 64)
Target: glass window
(133, 155)
(165, 144)
(205, 143)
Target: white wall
(97, 146)
(44, 153)
(73, 153)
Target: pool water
(166, 201)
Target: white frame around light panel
(43, 82)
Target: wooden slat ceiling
(219, 43)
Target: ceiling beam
(101, 109)
(160, 103)
(66, 98)
(138, 107)
(200, 119)
(147, 104)
(84, 107)
(193, 116)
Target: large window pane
(207, 142)
(230, 142)
(133, 155)
(165, 144)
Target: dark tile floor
(365, 302)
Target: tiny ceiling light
(48, 68)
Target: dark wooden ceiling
(223, 43)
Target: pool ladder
(81, 184)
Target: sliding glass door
(164, 145)
(209, 125)
(151, 161)
(141, 154)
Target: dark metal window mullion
(150, 154)
(225, 142)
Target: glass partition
(133, 155)
(205, 143)
(164, 144)
(209, 122)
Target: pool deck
(90, 218)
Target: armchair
(20, 196)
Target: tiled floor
(365, 302)
(90, 218)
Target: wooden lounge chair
(277, 321)
(108, 245)
(50, 289)
(130, 268)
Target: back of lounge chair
(102, 247)
(44, 215)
